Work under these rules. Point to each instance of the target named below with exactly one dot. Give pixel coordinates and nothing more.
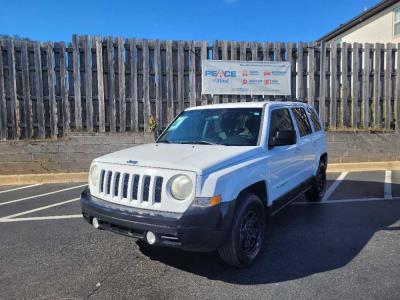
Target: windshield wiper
(200, 142)
(203, 142)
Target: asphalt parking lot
(345, 247)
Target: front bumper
(197, 229)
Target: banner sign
(230, 77)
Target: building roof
(382, 5)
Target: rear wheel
(317, 191)
(247, 234)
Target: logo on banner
(279, 73)
(220, 76)
(271, 82)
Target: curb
(43, 178)
(82, 176)
(364, 166)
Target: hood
(201, 159)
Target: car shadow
(300, 241)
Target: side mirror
(283, 138)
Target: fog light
(150, 237)
(96, 223)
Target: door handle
(297, 150)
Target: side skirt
(290, 196)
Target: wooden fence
(114, 84)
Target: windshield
(229, 127)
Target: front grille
(131, 187)
(146, 188)
(135, 187)
(108, 182)
(125, 182)
(116, 184)
(158, 189)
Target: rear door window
(302, 121)
(280, 120)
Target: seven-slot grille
(132, 187)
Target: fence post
(333, 87)
(204, 55)
(158, 74)
(98, 45)
(355, 90)
(111, 85)
(224, 53)
(234, 46)
(63, 88)
(121, 84)
(290, 47)
(343, 121)
(133, 92)
(377, 85)
(277, 51)
(3, 102)
(146, 91)
(322, 84)
(397, 92)
(215, 98)
(243, 50)
(388, 86)
(170, 82)
(12, 84)
(88, 82)
(53, 121)
(192, 73)
(366, 85)
(26, 92)
(300, 72)
(311, 74)
(77, 82)
(39, 91)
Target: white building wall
(377, 29)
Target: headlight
(181, 187)
(94, 175)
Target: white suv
(212, 178)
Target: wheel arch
(258, 188)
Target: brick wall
(363, 147)
(72, 154)
(75, 153)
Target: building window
(397, 21)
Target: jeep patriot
(212, 178)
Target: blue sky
(249, 20)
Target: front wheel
(247, 234)
(317, 191)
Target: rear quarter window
(302, 121)
(314, 119)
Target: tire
(317, 191)
(246, 237)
